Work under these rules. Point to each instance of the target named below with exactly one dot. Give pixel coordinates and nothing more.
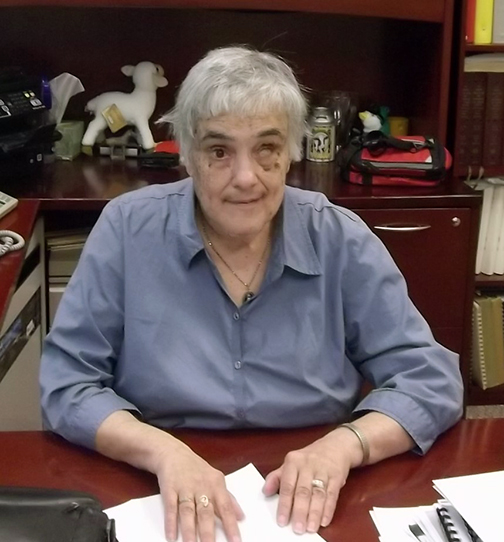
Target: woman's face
(239, 165)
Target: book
(498, 22)
(499, 257)
(488, 192)
(472, 120)
(470, 511)
(470, 20)
(478, 499)
(492, 237)
(478, 369)
(494, 120)
(483, 24)
(487, 356)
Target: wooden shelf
(491, 48)
(490, 396)
(427, 10)
(489, 281)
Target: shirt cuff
(402, 408)
(91, 413)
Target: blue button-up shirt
(146, 325)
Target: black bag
(380, 160)
(51, 515)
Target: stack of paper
(141, 520)
(470, 512)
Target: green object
(384, 113)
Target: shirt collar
(190, 241)
(297, 246)
(294, 242)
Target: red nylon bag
(380, 160)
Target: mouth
(246, 202)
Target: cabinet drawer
(431, 247)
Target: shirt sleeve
(417, 381)
(80, 352)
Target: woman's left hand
(310, 480)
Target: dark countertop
(87, 184)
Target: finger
(272, 482)
(317, 505)
(288, 483)
(187, 514)
(333, 490)
(205, 518)
(170, 515)
(239, 513)
(229, 511)
(302, 500)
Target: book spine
(494, 120)
(483, 25)
(478, 371)
(498, 22)
(486, 209)
(492, 237)
(472, 120)
(470, 20)
(499, 259)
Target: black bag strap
(377, 142)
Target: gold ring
(185, 499)
(204, 500)
(319, 484)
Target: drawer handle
(392, 227)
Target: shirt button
(237, 365)
(236, 316)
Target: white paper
(393, 523)
(63, 87)
(479, 499)
(141, 520)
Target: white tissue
(63, 87)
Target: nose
(244, 170)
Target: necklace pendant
(248, 296)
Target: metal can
(321, 139)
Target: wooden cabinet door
(431, 247)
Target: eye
(218, 152)
(266, 150)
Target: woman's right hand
(194, 492)
(184, 478)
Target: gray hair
(239, 81)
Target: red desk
(41, 459)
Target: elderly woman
(229, 300)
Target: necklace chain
(217, 253)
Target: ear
(188, 164)
(160, 81)
(128, 70)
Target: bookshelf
(477, 124)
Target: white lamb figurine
(136, 107)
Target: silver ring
(204, 501)
(319, 484)
(185, 499)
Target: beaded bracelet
(362, 439)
